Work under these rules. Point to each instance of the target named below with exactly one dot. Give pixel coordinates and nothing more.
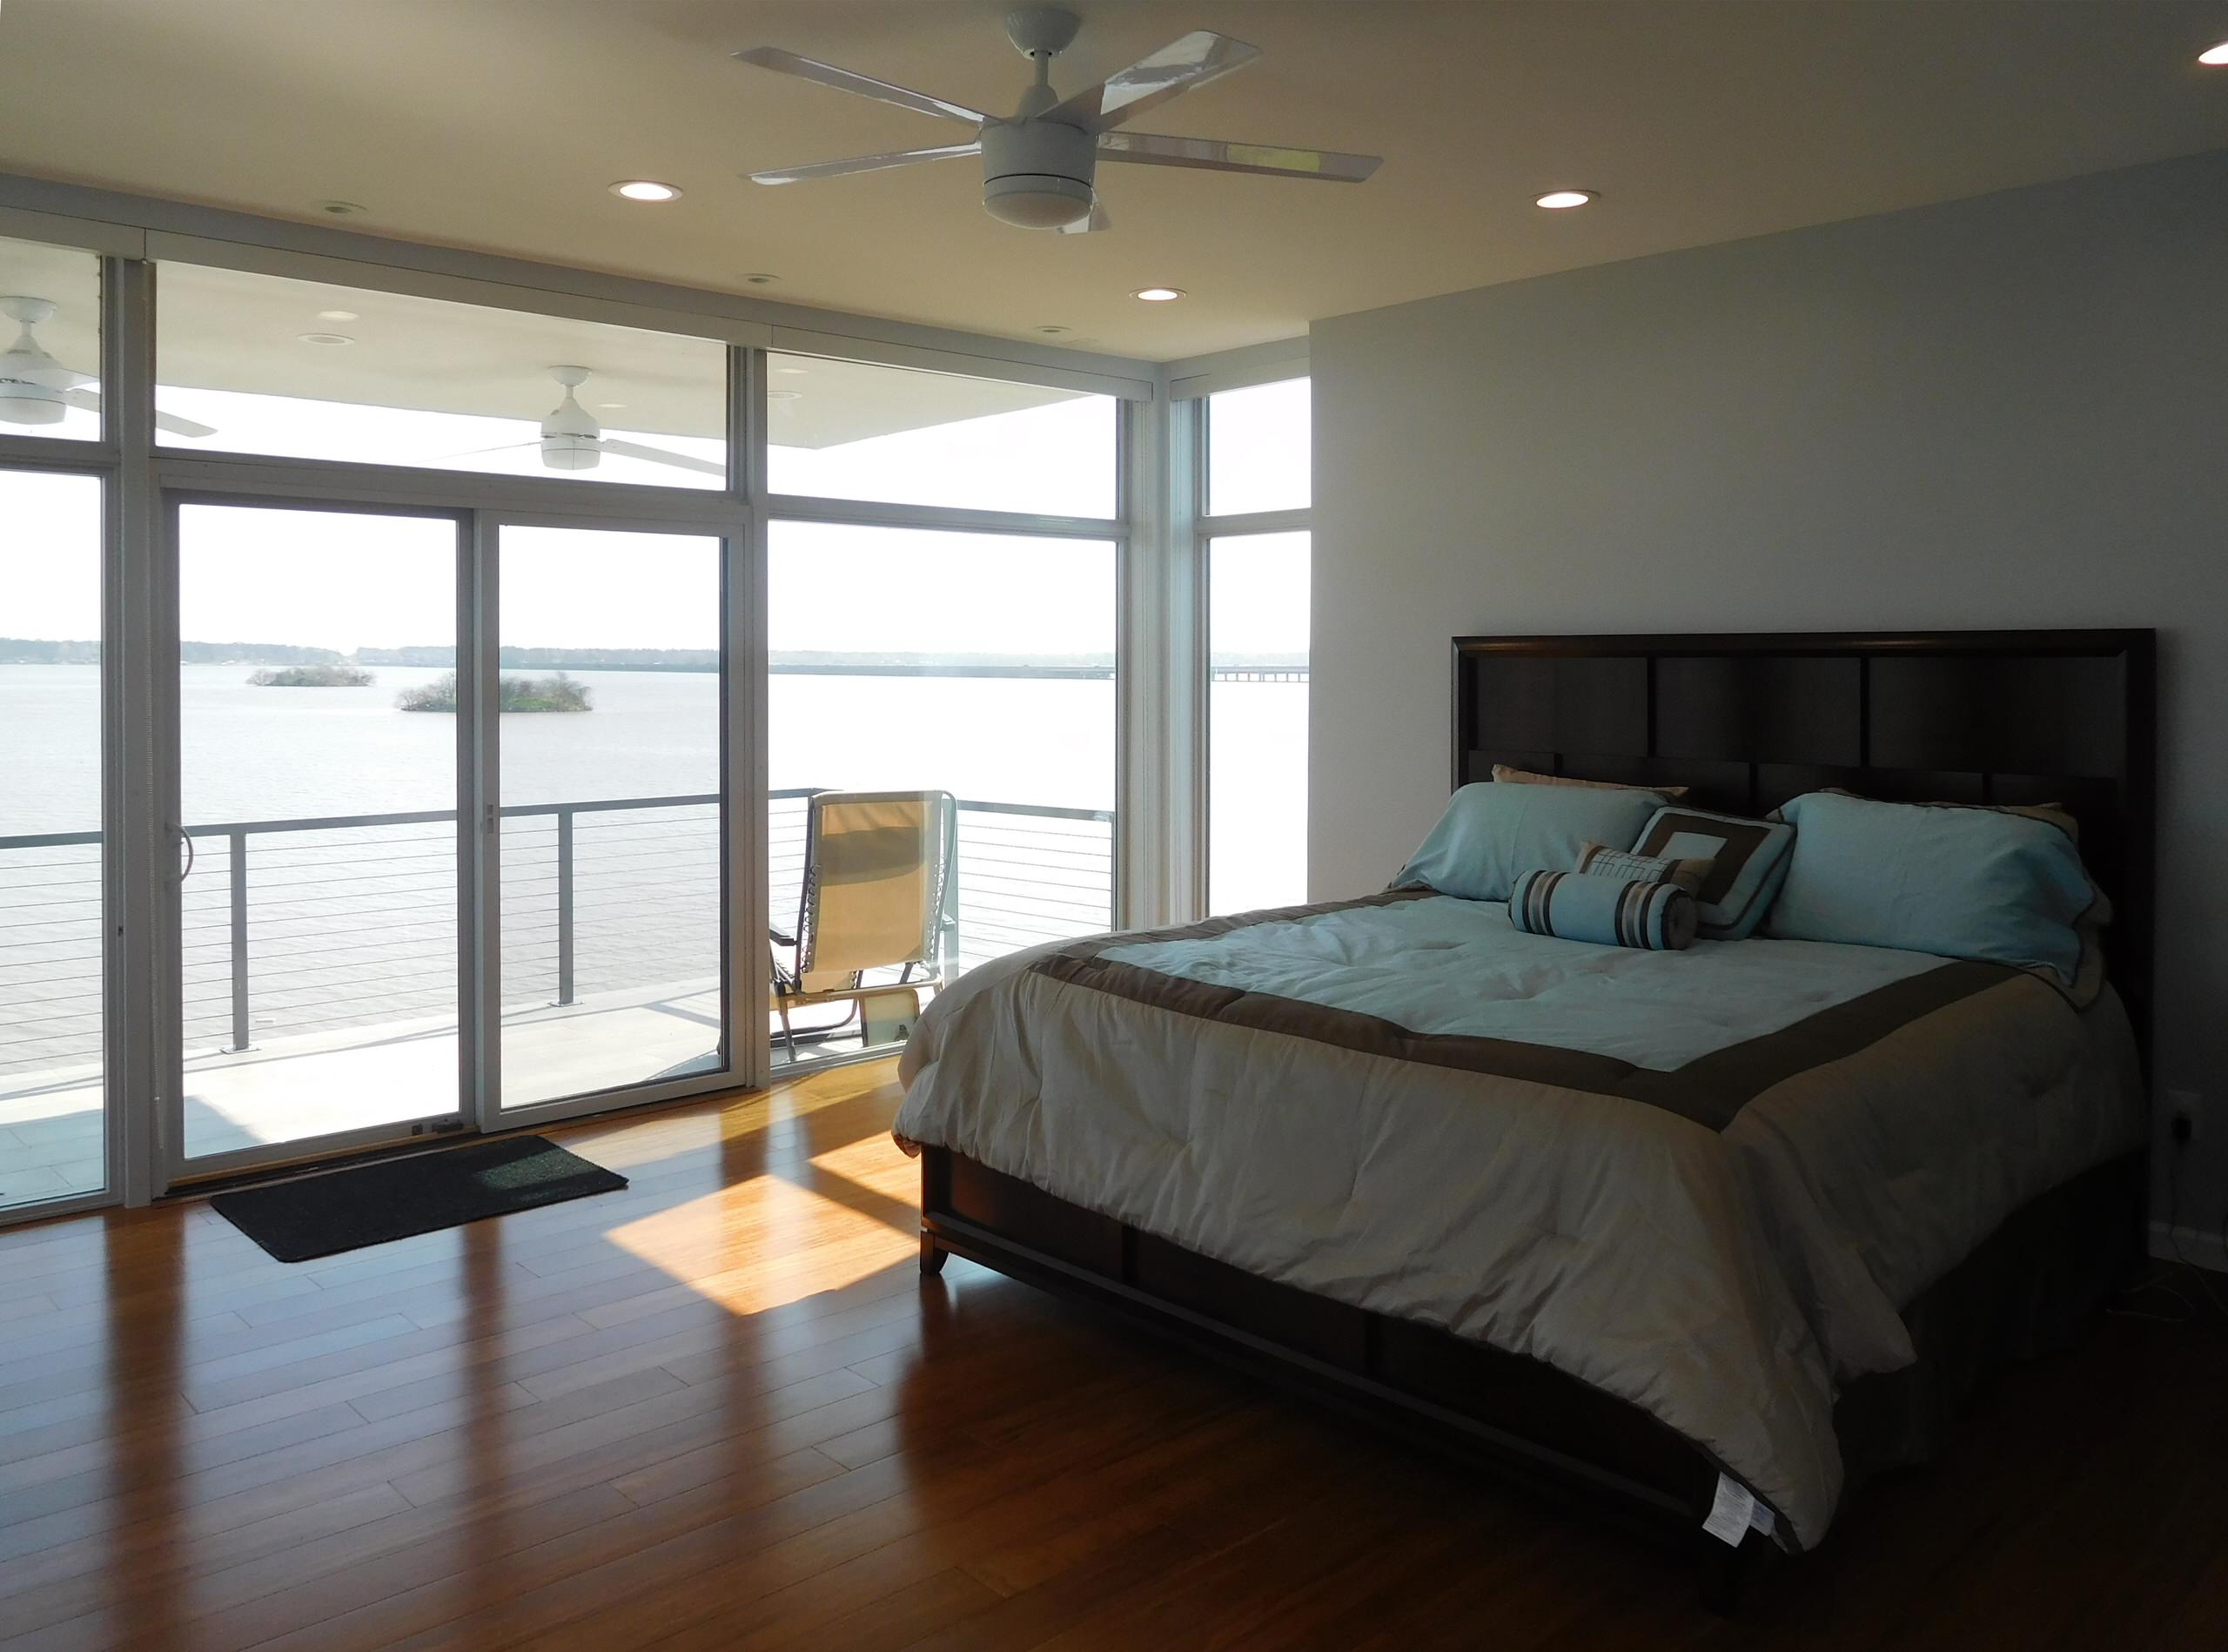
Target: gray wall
(2010, 411)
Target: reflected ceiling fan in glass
(572, 438)
(36, 389)
(1040, 164)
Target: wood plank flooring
(720, 1409)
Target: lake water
(262, 753)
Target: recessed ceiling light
(339, 209)
(1053, 333)
(645, 189)
(2214, 56)
(326, 338)
(784, 395)
(790, 373)
(611, 404)
(760, 279)
(1157, 295)
(338, 315)
(1561, 200)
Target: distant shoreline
(1272, 666)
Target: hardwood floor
(720, 1409)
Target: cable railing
(302, 929)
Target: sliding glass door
(317, 767)
(449, 822)
(608, 680)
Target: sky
(338, 580)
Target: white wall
(2010, 411)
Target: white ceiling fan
(1039, 165)
(572, 440)
(36, 389)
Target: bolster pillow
(1607, 911)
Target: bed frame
(1746, 722)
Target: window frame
(1195, 431)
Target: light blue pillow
(1490, 833)
(1960, 882)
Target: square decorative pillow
(1748, 861)
(1600, 861)
(1507, 776)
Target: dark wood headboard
(1751, 719)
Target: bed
(1701, 1239)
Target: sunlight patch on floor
(874, 1162)
(762, 1242)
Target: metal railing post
(238, 843)
(563, 906)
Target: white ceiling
(498, 123)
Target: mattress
(1706, 1182)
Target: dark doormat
(371, 1204)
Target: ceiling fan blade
(501, 447)
(1099, 219)
(90, 401)
(1178, 67)
(788, 63)
(178, 426)
(1214, 155)
(49, 373)
(660, 456)
(864, 164)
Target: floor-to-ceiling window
(369, 723)
(912, 655)
(1256, 543)
(53, 860)
(52, 1141)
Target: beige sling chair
(881, 892)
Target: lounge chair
(881, 893)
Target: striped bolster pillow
(1607, 911)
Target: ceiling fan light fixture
(645, 189)
(1563, 200)
(570, 453)
(1036, 202)
(2214, 56)
(30, 404)
(1159, 295)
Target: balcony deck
(319, 963)
(322, 1083)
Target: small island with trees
(554, 692)
(313, 676)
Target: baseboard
(2189, 1245)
